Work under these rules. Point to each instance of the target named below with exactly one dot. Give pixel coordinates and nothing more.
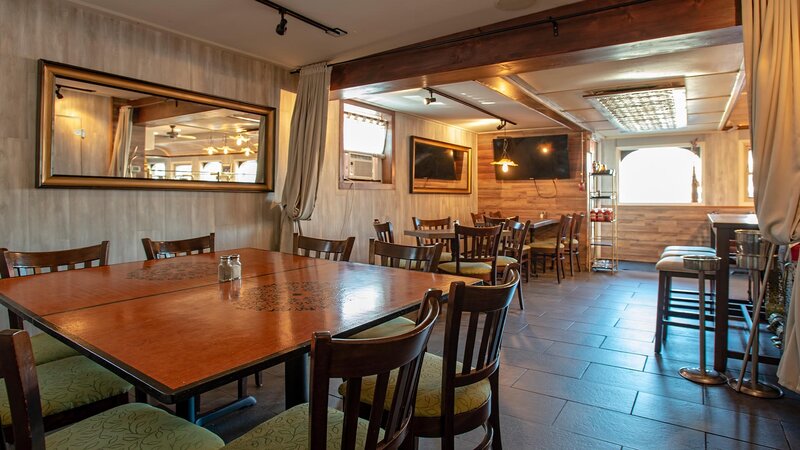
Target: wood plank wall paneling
(644, 231)
(45, 219)
(349, 212)
(522, 197)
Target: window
(211, 171)
(158, 171)
(366, 155)
(751, 190)
(660, 175)
(183, 171)
(246, 171)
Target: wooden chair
(424, 259)
(477, 218)
(323, 248)
(183, 247)
(515, 250)
(46, 348)
(491, 221)
(553, 248)
(384, 230)
(466, 384)
(136, 425)
(574, 241)
(388, 368)
(475, 251)
(435, 224)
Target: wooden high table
(722, 231)
(170, 329)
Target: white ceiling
(372, 26)
(246, 26)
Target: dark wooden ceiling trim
(630, 31)
(516, 93)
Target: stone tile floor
(578, 372)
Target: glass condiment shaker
(236, 267)
(224, 269)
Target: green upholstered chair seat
(467, 268)
(47, 349)
(134, 426)
(546, 244)
(289, 431)
(503, 261)
(429, 391)
(674, 264)
(67, 384)
(446, 257)
(393, 327)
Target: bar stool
(701, 264)
(670, 267)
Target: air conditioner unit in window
(362, 167)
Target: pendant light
(505, 162)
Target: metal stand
(752, 386)
(701, 374)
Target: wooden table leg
(296, 380)
(721, 309)
(139, 395)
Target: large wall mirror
(102, 130)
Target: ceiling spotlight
(281, 28)
(502, 124)
(430, 99)
(59, 95)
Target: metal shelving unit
(603, 237)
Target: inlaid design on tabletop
(178, 270)
(292, 296)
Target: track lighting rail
(333, 31)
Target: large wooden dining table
(170, 329)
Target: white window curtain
(772, 64)
(364, 134)
(306, 149)
(121, 150)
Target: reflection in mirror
(120, 130)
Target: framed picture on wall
(439, 167)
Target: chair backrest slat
(424, 258)
(432, 224)
(330, 249)
(32, 263)
(476, 245)
(575, 229)
(182, 247)
(354, 359)
(384, 230)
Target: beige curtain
(306, 149)
(772, 64)
(121, 150)
(262, 150)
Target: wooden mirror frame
(48, 71)
(440, 187)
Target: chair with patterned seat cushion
(314, 425)
(514, 250)
(456, 397)
(384, 230)
(331, 249)
(73, 386)
(435, 224)
(475, 251)
(408, 257)
(182, 247)
(127, 426)
(553, 248)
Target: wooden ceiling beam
(633, 29)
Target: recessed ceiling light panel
(643, 109)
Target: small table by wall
(722, 231)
